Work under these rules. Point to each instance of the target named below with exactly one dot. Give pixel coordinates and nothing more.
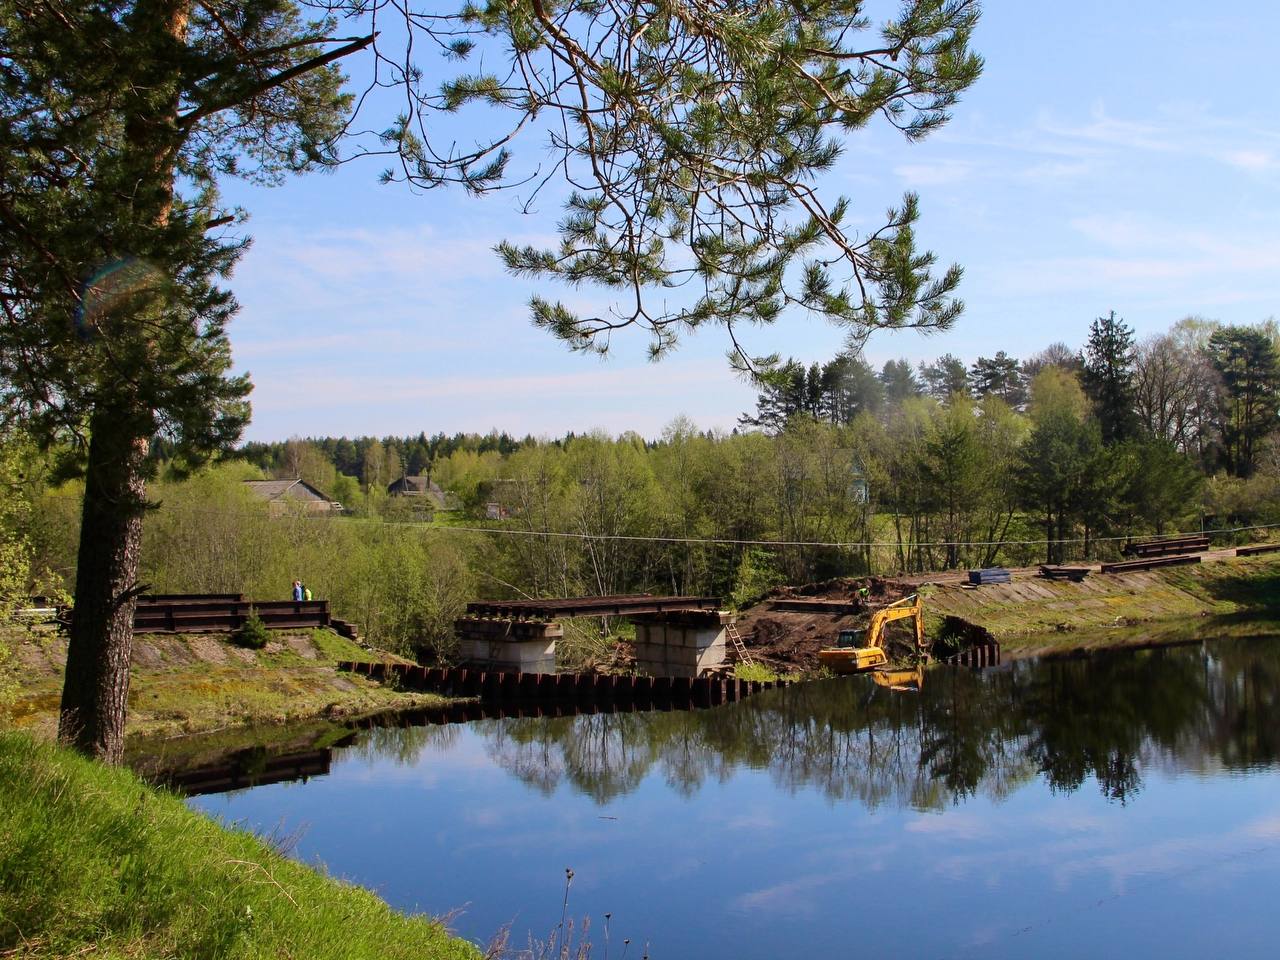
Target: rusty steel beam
(618, 606)
(1257, 548)
(1151, 563)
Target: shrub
(253, 633)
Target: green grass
(337, 647)
(94, 863)
(186, 694)
(1066, 616)
(761, 673)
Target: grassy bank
(1034, 615)
(192, 683)
(94, 863)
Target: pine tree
(999, 376)
(1249, 404)
(1108, 377)
(945, 377)
(899, 381)
(693, 134)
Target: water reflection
(1109, 717)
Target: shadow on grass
(1259, 591)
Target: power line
(688, 541)
(839, 544)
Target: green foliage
(15, 518)
(754, 671)
(95, 861)
(1108, 377)
(253, 633)
(401, 584)
(1054, 473)
(835, 392)
(709, 109)
(999, 376)
(945, 378)
(1247, 362)
(757, 574)
(1164, 485)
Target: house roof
(416, 485)
(295, 489)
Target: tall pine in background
(1249, 398)
(1107, 376)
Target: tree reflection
(1108, 718)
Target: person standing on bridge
(297, 590)
(306, 593)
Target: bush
(254, 633)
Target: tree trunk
(96, 688)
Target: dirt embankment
(1030, 615)
(785, 636)
(192, 683)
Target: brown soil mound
(788, 641)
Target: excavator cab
(850, 638)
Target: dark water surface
(1122, 805)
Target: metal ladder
(738, 645)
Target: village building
(292, 496)
(423, 487)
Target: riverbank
(1033, 616)
(93, 862)
(1030, 615)
(185, 684)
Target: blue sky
(1114, 156)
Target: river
(1127, 803)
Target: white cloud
(934, 174)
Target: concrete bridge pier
(508, 645)
(680, 644)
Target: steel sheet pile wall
(493, 686)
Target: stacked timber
(989, 575)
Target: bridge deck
(591, 606)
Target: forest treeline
(840, 470)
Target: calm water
(1128, 804)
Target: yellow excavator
(858, 651)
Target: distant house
(283, 496)
(421, 487)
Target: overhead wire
(717, 541)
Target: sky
(1120, 155)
